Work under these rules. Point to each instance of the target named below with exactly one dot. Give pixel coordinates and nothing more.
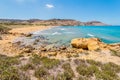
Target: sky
(107, 11)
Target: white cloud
(49, 6)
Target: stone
(26, 50)
(0, 38)
(29, 35)
(62, 48)
(93, 46)
(52, 53)
(43, 49)
(87, 43)
(79, 43)
(16, 43)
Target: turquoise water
(64, 34)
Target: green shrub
(6, 62)
(61, 77)
(91, 70)
(49, 63)
(46, 62)
(115, 53)
(28, 66)
(41, 72)
(82, 70)
(9, 74)
(4, 29)
(111, 67)
(12, 73)
(106, 75)
(64, 76)
(68, 72)
(49, 77)
(83, 78)
(35, 59)
(9, 69)
(87, 70)
(92, 62)
(108, 72)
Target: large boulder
(86, 43)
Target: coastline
(5, 43)
(26, 30)
(9, 49)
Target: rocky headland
(51, 22)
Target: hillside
(51, 22)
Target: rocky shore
(80, 48)
(19, 41)
(25, 58)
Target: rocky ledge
(88, 43)
(91, 44)
(78, 48)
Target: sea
(64, 34)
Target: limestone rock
(79, 43)
(52, 53)
(86, 43)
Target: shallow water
(64, 34)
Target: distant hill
(52, 22)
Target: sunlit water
(64, 34)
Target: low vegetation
(115, 53)
(106, 71)
(4, 30)
(12, 68)
(9, 69)
(41, 72)
(68, 72)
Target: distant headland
(51, 22)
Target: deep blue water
(64, 34)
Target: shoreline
(5, 43)
(26, 30)
(9, 49)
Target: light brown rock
(86, 43)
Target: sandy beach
(29, 29)
(5, 46)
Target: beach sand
(29, 29)
(5, 43)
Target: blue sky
(107, 11)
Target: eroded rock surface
(87, 43)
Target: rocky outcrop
(87, 43)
